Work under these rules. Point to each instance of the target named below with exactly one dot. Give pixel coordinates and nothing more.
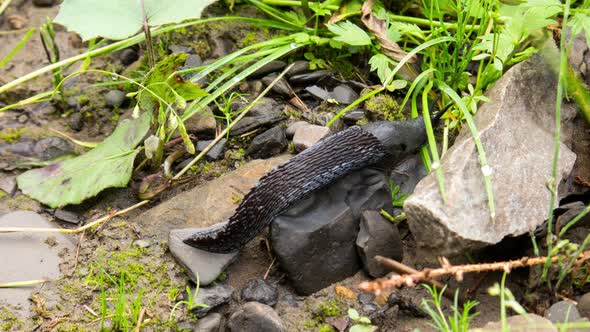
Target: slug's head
(400, 139)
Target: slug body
(344, 152)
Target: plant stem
(3, 6)
(148, 38)
(230, 126)
(23, 283)
(563, 66)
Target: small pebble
(584, 305)
(306, 136)
(128, 56)
(365, 298)
(563, 312)
(115, 98)
(142, 243)
(293, 127)
(259, 290)
(44, 3)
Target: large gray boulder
(516, 130)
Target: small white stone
(486, 170)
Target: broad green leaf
(382, 64)
(164, 87)
(119, 19)
(350, 33)
(353, 314)
(363, 328)
(108, 165)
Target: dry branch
(457, 271)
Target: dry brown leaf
(379, 29)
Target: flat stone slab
(207, 204)
(206, 265)
(28, 256)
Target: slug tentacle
(314, 168)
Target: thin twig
(139, 320)
(269, 267)
(402, 269)
(23, 283)
(412, 279)
(78, 250)
(75, 230)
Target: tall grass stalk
(553, 182)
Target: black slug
(346, 151)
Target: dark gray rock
(306, 136)
(207, 265)
(314, 240)
(281, 87)
(52, 147)
(344, 94)
(516, 131)
(377, 236)
(44, 3)
(192, 61)
(213, 297)
(201, 123)
(369, 308)
(265, 106)
(216, 151)
(67, 216)
(175, 49)
(128, 56)
(29, 256)
(209, 323)
(115, 98)
(249, 123)
(352, 116)
(293, 127)
(25, 148)
(220, 44)
(563, 312)
(76, 121)
(319, 93)
(299, 67)
(271, 67)
(268, 144)
(365, 298)
(584, 305)
(258, 290)
(255, 317)
(311, 77)
(571, 211)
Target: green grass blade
(18, 47)
(483, 160)
(432, 142)
(280, 52)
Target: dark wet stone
(255, 317)
(249, 123)
(351, 117)
(76, 121)
(115, 98)
(369, 308)
(377, 237)
(44, 3)
(192, 61)
(216, 151)
(213, 297)
(174, 49)
(67, 216)
(324, 119)
(25, 148)
(207, 265)
(293, 127)
(209, 323)
(366, 298)
(265, 106)
(281, 87)
(318, 92)
(259, 290)
(271, 67)
(563, 312)
(52, 147)
(128, 56)
(268, 144)
(310, 78)
(299, 67)
(344, 94)
(220, 45)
